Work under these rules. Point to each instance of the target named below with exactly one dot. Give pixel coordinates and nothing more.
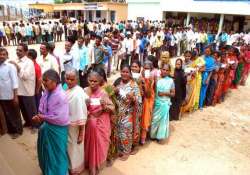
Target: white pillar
(221, 24)
(94, 15)
(188, 19)
(61, 13)
(76, 14)
(107, 16)
(67, 13)
(84, 15)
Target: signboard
(93, 6)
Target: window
(98, 14)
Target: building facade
(223, 12)
(10, 13)
(110, 11)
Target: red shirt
(37, 70)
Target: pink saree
(97, 133)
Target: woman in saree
(148, 88)
(230, 73)
(188, 64)
(129, 107)
(164, 91)
(136, 70)
(53, 133)
(199, 65)
(180, 90)
(155, 72)
(213, 80)
(97, 133)
(206, 75)
(78, 116)
(112, 151)
(246, 69)
(239, 69)
(220, 80)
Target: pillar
(61, 14)
(221, 24)
(76, 13)
(94, 15)
(84, 15)
(107, 15)
(188, 19)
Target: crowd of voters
(83, 119)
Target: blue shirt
(8, 81)
(143, 44)
(106, 57)
(84, 58)
(224, 37)
(210, 38)
(28, 30)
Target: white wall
(220, 7)
(149, 10)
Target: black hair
(71, 39)
(2, 49)
(32, 53)
(51, 46)
(117, 81)
(217, 52)
(126, 66)
(24, 46)
(136, 62)
(179, 59)
(188, 51)
(52, 75)
(47, 46)
(99, 37)
(101, 72)
(153, 59)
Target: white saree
(78, 116)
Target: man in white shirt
(66, 60)
(197, 40)
(190, 38)
(8, 96)
(43, 32)
(46, 61)
(50, 31)
(178, 36)
(27, 82)
(129, 46)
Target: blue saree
(160, 120)
(52, 149)
(209, 67)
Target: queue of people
(84, 120)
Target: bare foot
(134, 151)
(109, 163)
(124, 157)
